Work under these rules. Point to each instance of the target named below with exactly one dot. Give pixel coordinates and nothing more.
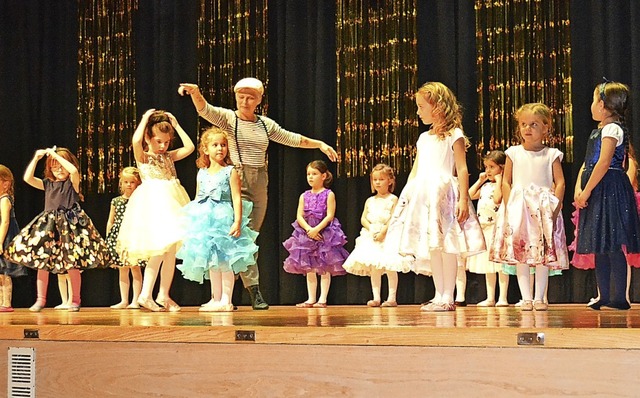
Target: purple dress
(308, 255)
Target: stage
(333, 351)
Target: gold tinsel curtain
(524, 55)
(376, 66)
(106, 91)
(232, 44)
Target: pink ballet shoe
(305, 305)
(6, 309)
(387, 304)
(320, 305)
(133, 306)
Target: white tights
(444, 267)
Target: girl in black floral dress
(62, 238)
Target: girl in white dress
(488, 192)
(151, 226)
(368, 258)
(529, 231)
(434, 221)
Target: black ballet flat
(461, 303)
(618, 305)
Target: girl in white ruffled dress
(434, 222)
(368, 258)
(151, 226)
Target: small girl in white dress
(488, 191)
(368, 258)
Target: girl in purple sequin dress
(316, 245)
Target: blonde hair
(203, 160)
(323, 169)
(446, 106)
(540, 110)
(384, 169)
(129, 171)
(66, 154)
(7, 175)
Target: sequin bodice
(215, 186)
(159, 167)
(594, 145)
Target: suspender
(235, 134)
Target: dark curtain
(38, 73)
(38, 66)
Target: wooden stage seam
(564, 326)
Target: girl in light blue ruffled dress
(218, 242)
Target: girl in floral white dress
(434, 221)
(368, 258)
(488, 191)
(529, 231)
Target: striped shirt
(252, 140)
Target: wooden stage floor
(562, 326)
(346, 351)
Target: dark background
(38, 108)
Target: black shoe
(257, 302)
(618, 305)
(461, 303)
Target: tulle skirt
(370, 255)
(207, 244)
(153, 220)
(611, 218)
(588, 261)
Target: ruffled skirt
(309, 255)
(153, 220)
(207, 244)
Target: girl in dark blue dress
(608, 220)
